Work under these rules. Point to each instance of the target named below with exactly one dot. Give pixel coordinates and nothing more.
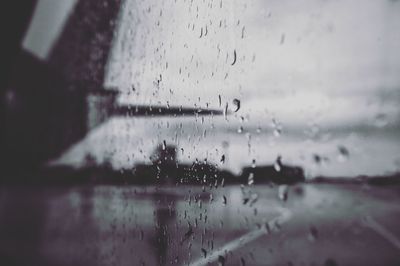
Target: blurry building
(49, 104)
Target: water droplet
(277, 127)
(234, 57)
(317, 159)
(224, 200)
(240, 129)
(250, 179)
(266, 227)
(283, 191)
(226, 110)
(245, 195)
(204, 252)
(277, 132)
(188, 233)
(222, 159)
(236, 103)
(211, 198)
(242, 262)
(253, 199)
(278, 164)
(343, 153)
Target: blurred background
(200, 132)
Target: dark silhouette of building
(44, 104)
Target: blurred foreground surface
(306, 224)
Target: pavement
(306, 224)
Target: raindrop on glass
(236, 103)
(224, 200)
(234, 57)
(250, 180)
(278, 164)
(222, 159)
(204, 252)
(343, 153)
(283, 192)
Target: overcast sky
(330, 65)
(299, 60)
(316, 65)
(315, 58)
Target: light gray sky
(319, 57)
(326, 66)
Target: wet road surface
(308, 224)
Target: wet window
(210, 132)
